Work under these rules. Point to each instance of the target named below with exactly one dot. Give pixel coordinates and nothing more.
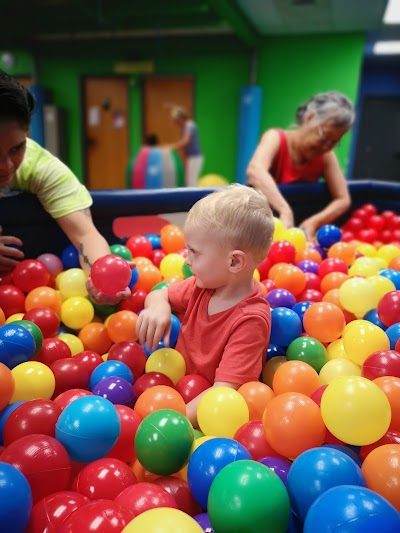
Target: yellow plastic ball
(388, 252)
(358, 296)
(163, 520)
(76, 312)
(295, 236)
(355, 410)
(72, 282)
(33, 380)
(256, 275)
(14, 317)
(382, 285)
(362, 339)
(167, 361)
(279, 229)
(212, 180)
(368, 250)
(221, 412)
(338, 367)
(171, 265)
(335, 350)
(75, 344)
(364, 266)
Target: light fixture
(386, 47)
(392, 12)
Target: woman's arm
(258, 176)
(340, 197)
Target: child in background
(225, 319)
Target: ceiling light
(386, 47)
(392, 12)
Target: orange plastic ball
(324, 321)
(395, 263)
(43, 297)
(381, 470)
(159, 397)
(172, 240)
(142, 475)
(275, 269)
(343, 250)
(391, 387)
(332, 296)
(257, 395)
(333, 280)
(309, 253)
(149, 275)
(291, 278)
(95, 337)
(121, 326)
(7, 385)
(296, 376)
(2, 317)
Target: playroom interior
(314, 445)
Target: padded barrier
(22, 215)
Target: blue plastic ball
(88, 428)
(148, 351)
(285, 326)
(70, 257)
(351, 509)
(393, 275)
(117, 390)
(300, 308)
(328, 235)
(393, 332)
(273, 351)
(4, 414)
(134, 278)
(110, 369)
(317, 470)
(347, 449)
(15, 499)
(155, 240)
(208, 460)
(17, 345)
(175, 330)
(372, 316)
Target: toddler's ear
(237, 260)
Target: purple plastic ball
(204, 522)
(117, 390)
(280, 466)
(308, 266)
(280, 298)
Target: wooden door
(160, 94)
(106, 131)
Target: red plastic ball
(310, 295)
(150, 379)
(144, 496)
(313, 281)
(191, 386)
(12, 300)
(157, 256)
(104, 479)
(331, 264)
(103, 516)
(139, 246)
(31, 417)
(389, 308)
(45, 319)
(50, 512)
(368, 235)
(282, 252)
(90, 359)
(44, 462)
(130, 353)
(67, 397)
(110, 274)
(381, 363)
(69, 374)
(124, 448)
(263, 268)
(135, 302)
(29, 274)
(52, 349)
(390, 437)
(354, 225)
(180, 490)
(252, 436)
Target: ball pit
(334, 317)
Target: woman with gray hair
(303, 155)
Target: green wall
(290, 70)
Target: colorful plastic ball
(221, 412)
(291, 278)
(382, 472)
(15, 499)
(121, 326)
(308, 350)
(278, 465)
(116, 390)
(52, 262)
(393, 334)
(179, 489)
(29, 274)
(389, 308)
(51, 350)
(338, 367)
(46, 319)
(257, 395)
(361, 339)
(124, 449)
(4, 414)
(163, 441)
(293, 424)
(32, 380)
(49, 513)
(317, 470)
(382, 363)
(328, 235)
(72, 282)
(208, 460)
(159, 397)
(95, 338)
(295, 236)
(135, 302)
(17, 345)
(110, 274)
(163, 520)
(393, 275)
(355, 410)
(102, 516)
(237, 500)
(130, 353)
(143, 496)
(391, 387)
(88, 428)
(270, 367)
(34, 330)
(69, 396)
(285, 326)
(282, 252)
(295, 376)
(324, 321)
(351, 508)
(150, 379)
(390, 437)
(69, 373)
(280, 298)
(191, 386)
(70, 257)
(167, 361)
(104, 479)
(12, 300)
(273, 351)
(121, 251)
(110, 369)
(7, 385)
(33, 416)
(252, 436)
(148, 277)
(139, 245)
(44, 462)
(76, 312)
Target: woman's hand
(286, 216)
(9, 255)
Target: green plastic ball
(121, 251)
(308, 350)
